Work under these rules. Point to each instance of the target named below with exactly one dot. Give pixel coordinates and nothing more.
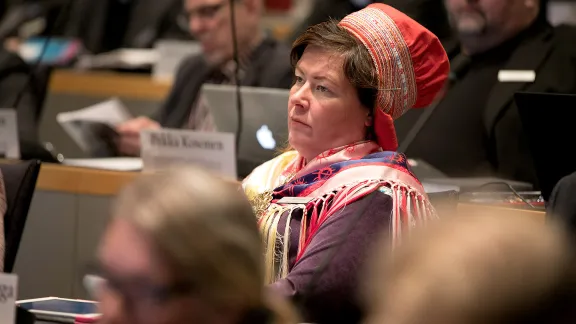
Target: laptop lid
(264, 120)
(547, 120)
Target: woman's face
(136, 278)
(324, 110)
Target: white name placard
(9, 145)
(521, 76)
(165, 148)
(8, 292)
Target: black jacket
(270, 68)
(553, 56)
(17, 77)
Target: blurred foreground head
(183, 247)
(477, 269)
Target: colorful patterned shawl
(327, 184)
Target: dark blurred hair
(358, 65)
(543, 14)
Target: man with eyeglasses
(264, 62)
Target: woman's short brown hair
(358, 65)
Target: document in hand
(93, 128)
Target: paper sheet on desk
(111, 164)
(110, 112)
(432, 187)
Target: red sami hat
(411, 63)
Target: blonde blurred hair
(477, 269)
(203, 227)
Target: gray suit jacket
(270, 68)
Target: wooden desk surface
(108, 84)
(54, 177)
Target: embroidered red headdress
(395, 41)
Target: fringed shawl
(324, 186)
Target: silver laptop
(264, 121)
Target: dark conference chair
(20, 183)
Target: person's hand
(129, 134)
(12, 44)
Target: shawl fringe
(410, 208)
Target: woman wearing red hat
(321, 204)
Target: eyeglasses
(139, 295)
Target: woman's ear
(369, 120)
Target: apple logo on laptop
(265, 138)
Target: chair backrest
(20, 183)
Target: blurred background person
(322, 203)
(22, 87)
(264, 62)
(501, 269)
(475, 129)
(430, 13)
(106, 25)
(183, 247)
(20, 90)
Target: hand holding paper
(94, 127)
(129, 134)
(134, 126)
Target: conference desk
(69, 212)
